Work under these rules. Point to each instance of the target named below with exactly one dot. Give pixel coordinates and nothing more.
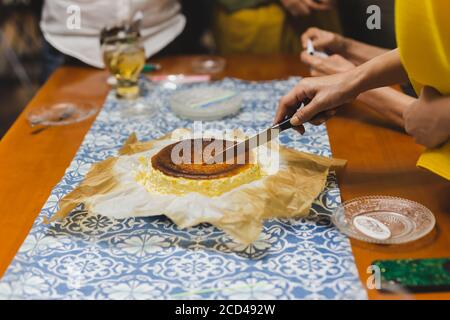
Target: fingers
(321, 40)
(296, 7)
(328, 3)
(300, 129)
(430, 93)
(306, 113)
(289, 103)
(316, 73)
(323, 43)
(317, 120)
(313, 61)
(326, 65)
(321, 6)
(310, 34)
(425, 139)
(299, 8)
(318, 64)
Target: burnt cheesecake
(187, 166)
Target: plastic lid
(208, 103)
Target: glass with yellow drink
(124, 57)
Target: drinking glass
(124, 57)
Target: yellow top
(265, 29)
(423, 36)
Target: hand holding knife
(255, 141)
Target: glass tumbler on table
(124, 57)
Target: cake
(184, 167)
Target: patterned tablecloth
(94, 257)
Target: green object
(149, 67)
(416, 275)
(235, 5)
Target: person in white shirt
(73, 27)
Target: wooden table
(381, 160)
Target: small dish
(62, 113)
(383, 219)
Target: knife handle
(286, 124)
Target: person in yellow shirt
(423, 57)
(268, 26)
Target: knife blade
(255, 141)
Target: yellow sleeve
(423, 37)
(437, 161)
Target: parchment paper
(110, 189)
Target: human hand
(322, 66)
(325, 95)
(428, 118)
(324, 41)
(305, 7)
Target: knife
(255, 141)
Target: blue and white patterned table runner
(95, 257)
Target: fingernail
(295, 121)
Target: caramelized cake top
(193, 164)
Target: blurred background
(20, 57)
(212, 26)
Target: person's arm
(384, 70)
(386, 101)
(359, 52)
(327, 93)
(333, 43)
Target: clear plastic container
(207, 104)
